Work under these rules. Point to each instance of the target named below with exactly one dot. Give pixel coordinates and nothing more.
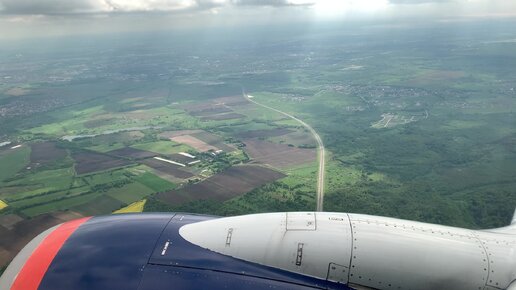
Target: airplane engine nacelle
(138, 252)
(298, 250)
(365, 251)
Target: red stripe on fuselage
(37, 265)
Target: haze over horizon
(27, 19)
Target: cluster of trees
(276, 196)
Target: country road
(320, 151)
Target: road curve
(320, 151)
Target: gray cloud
(418, 1)
(47, 7)
(13, 8)
(271, 3)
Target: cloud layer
(418, 1)
(48, 6)
(44, 7)
(53, 7)
(27, 18)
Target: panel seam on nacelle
(248, 274)
(352, 246)
(155, 245)
(315, 220)
(501, 270)
(487, 259)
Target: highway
(320, 151)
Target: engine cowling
(301, 250)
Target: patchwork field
(172, 134)
(300, 139)
(278, 155)
(218, 109)
(16, 232)
(99, 206)
(219, 105)
(89, 162)
(8, 221)
(154, 182)
(205, 111)
(194, 142)
(231, 101)
(46, 153)
(163, 147)
(213, 140)
(12, 161)
(184, 159)
(222, 117)
(109, 142)
(264, 133)
(132, 153)
(204, 108)
(230, 183)
(167, 168)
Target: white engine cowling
(362, 250)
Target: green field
(106, 177)
(40, 199)
(130, 193)
(99, 206)
(49, 179)
(100, 202)
(154, 182)
(13, 161)
(65, 204)
(53, 190)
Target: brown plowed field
(181, 159)
(10, 220)
(46, 153)
(129, 152)
(200, 107)
(194, 142)
(233, 182)
(87, 162)
(278, 155)
(13, 240)
(167, 168)
(172, 134)
(231, 101)
(213, 140)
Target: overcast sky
(29, 18)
